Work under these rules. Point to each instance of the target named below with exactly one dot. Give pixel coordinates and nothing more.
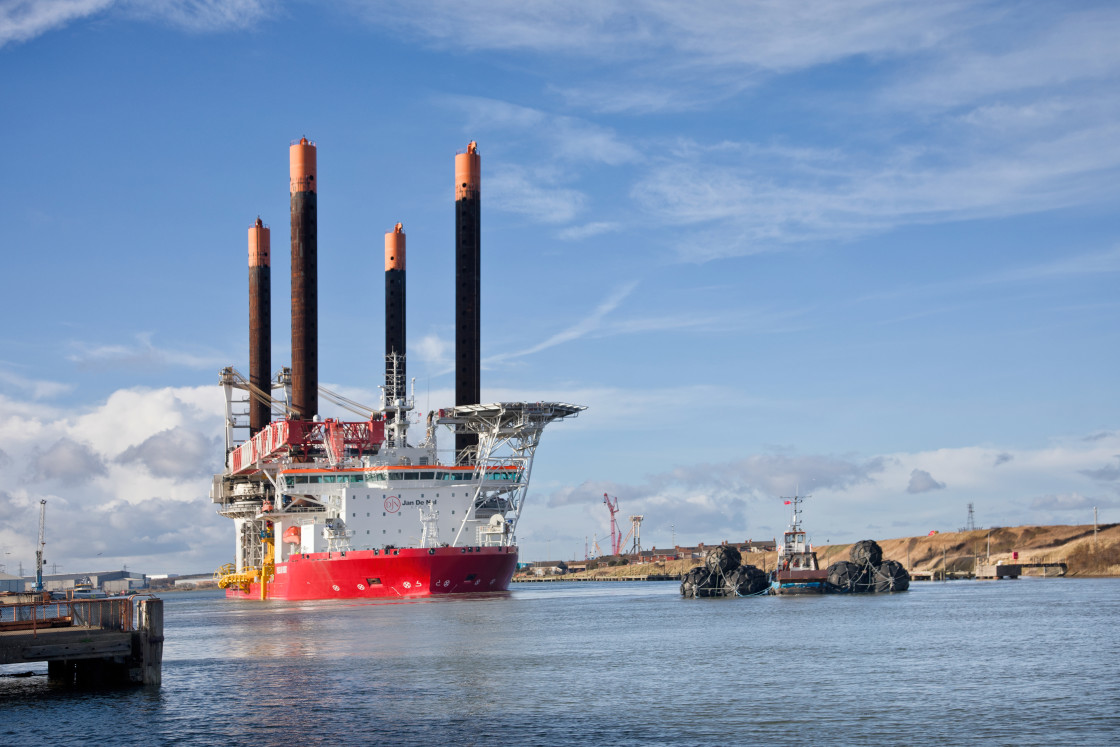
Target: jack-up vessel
(330, 509)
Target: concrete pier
(1014, 570)
(88, 643)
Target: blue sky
(868, 248)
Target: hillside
(1072, 545)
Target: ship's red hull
(395, 573)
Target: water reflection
(1026, 662)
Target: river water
(1027, 662)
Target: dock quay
(995, 571)
(89, 643)
(1014, 570)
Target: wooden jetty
(87, 642)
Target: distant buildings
(110, 582)
(654, 555)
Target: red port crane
(616, 533)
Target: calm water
(1022, 662)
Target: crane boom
(39, 548)
(616, 533)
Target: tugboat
(798, 571)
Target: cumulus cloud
(923, 482)
(68, 461)
(724, 497)
(142, 460)
(177, 453)
(156, 527)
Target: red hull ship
(397, 573)
(326, 509)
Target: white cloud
(1024, 121)
(37, 388)
(434, 350)
(581, 328)
(513, 190)
(1074, 47)
(1070, 502)
(201, 15)
(852, 497)
(565, 137)
(141, 354)
(659, 35)
(127, 478)
(587, 230)
(177, 453)
(923, 482)
(750, 198)
(67, 461)
(1109, 472)
(21, 20)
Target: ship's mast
(395, 406)
(795, 504)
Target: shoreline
(1087, 553)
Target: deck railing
(118, 613)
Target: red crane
(616, 533)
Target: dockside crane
(616, 533)
(39, 548)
